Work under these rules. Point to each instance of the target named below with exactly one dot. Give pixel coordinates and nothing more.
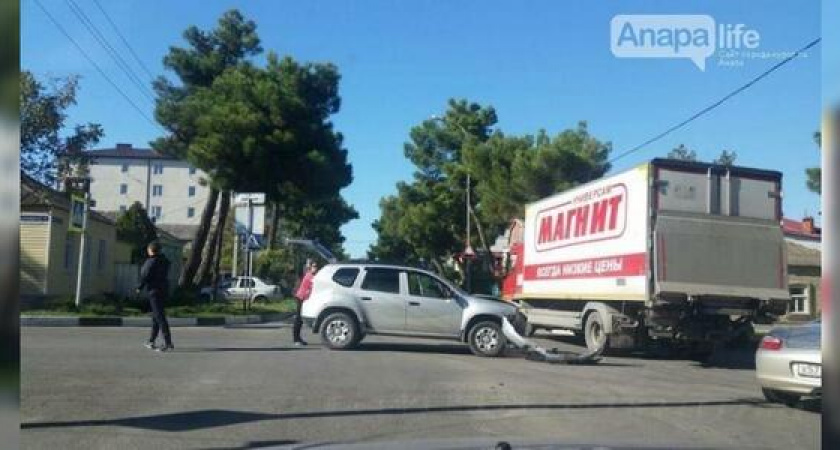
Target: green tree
(207, 56)
(135, 227)
(682, 153)
(44, 153)
(425, 221)
(251, 128)
(726, 158)
(814, 174)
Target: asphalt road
(247, 387)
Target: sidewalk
(105, 321)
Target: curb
(65, 321)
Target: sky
(541, 64)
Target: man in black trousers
(153, 278)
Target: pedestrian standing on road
(302, 294)
(154, 280)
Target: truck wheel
(594, 333)
(486, 339)
(339, 331)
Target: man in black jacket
(153, 278)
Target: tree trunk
(223, 213)
(212, 254)
(194, 260)
(275, 223)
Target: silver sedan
(789, 363)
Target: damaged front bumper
(538, 353)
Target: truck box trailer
(669, 252)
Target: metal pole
(80, 271)
(468, 276)
(248, 244)
(235, 253)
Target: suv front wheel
(486, 339)
(339, 331)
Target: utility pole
(468, 275)
(82, 242)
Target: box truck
(672, 254)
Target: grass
(116, 309)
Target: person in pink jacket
(303, 292)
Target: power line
(112, 52)
(717, 103)
(93, 63)
(124, 41)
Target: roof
(126, 151)
(799, 255)
(112, 215)
(799, 229)
(703, 167)
(33, 193)
(179, 232)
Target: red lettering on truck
(594, 215)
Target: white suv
(349, 301)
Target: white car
(788, 363)
(241, 288)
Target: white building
(169, 188)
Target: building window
(124, 168)
(157, 169)
(123, 188)
(123, 208)
(191, 191)
(157, 190)
(157, 211)
(800, 301)
(100, 257)
(192, 170)
(190, 212)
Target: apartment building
(169, 188)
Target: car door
(235, 292)
(431, 306)
(380, 300)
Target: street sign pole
(82, 239)
(250, 252)
(235, 251)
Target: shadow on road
(244, 349)
(451, 349)
(212, 418)
(739, 358)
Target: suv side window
(382, 280)
(346, 276)
(421, 285)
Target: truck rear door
(717, 231)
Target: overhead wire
(714, 105)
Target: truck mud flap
(535, 352)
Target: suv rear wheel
(486, 339)
(339, 331)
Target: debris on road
(535, 352)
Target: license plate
(808, 370)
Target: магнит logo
(695, 37)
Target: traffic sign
(255, 198)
